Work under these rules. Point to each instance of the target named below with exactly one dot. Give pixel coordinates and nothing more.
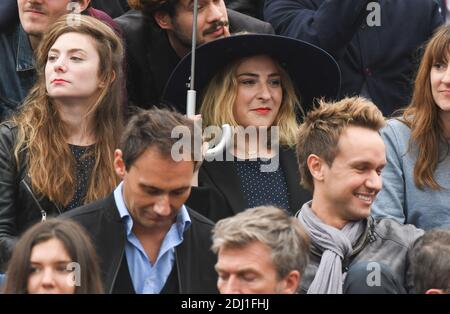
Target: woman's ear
(102, 83)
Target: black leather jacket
(384, 241)
(19, 206)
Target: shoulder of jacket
(391, 230)
(92, 209)
(132, 21)
(243, 20)
(199, 219)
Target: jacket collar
(25, 56)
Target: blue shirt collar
(25, 56)
(182, 222)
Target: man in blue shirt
(147, 240)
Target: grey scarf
(335, 244)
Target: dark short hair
(77, 244)
(153, 129)
(430, 261)
(149, 7)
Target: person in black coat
(147, 240)
(158, 35)
(252, 82)
(250, 7)
(375, 42)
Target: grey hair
(283, 234)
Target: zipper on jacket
(43, 212)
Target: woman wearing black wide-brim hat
(260, 82)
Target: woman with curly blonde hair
(56, 153)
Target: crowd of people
(335, 178)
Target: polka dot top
(262, 183)
(83, 172)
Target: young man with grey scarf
(341, 155)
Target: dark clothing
(249, 7)
(384, 241)
(114, 8)
(85, 159)
(262, 187)
(17, 69)
(194, 259)
(375, 61)
(124, 284)
(20, 206)
(151, 58)
(8, 13)
(17, 74)
(372, 278)
(219, 194)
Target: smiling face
(345, 190)
(48, 273)
(72, 67)
(154, 188)
(259, 92)
(250, 270)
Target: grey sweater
(400, 198)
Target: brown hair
(422, 115)
(42, 133)
(320, 132)
(154, 128)
(77, 244)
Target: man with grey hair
(260, 250)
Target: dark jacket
(383, 241)
(114, 8)
(250, 7)
(383, 57)
(194, 259)
(19, 206)
(151, 59)
(219, 195)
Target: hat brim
(314, 72)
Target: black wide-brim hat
(314, 72)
